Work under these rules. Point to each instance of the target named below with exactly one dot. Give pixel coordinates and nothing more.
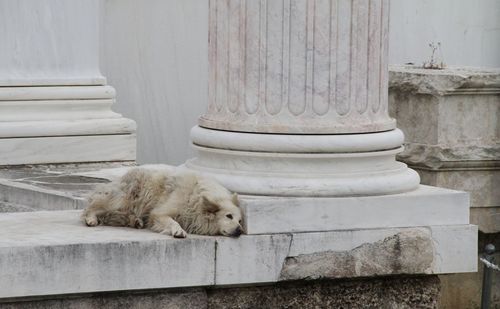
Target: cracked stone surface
(407, 252)
(414, 79)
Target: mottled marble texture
(298, 66)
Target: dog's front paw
(178, 232)
(137, 223)
(91, 221)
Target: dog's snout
(237, 232)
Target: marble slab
(424, 206)
(54, 247)
(66, 149)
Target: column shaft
(298, 66)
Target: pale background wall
(154, 52)
(469, 31)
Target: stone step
(52, 252)
(426, 206)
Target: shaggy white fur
(166, 202)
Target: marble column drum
(298, 66)
(298, 96)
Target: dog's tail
(120, 218)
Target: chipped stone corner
(408, 252)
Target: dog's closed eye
(229, 216)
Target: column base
(63, 124)
(68, 149)
(303, 165)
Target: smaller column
(55, 105)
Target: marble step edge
(68, 149)
(422, 207)
(53, 127)
(53, 246)
(269, 215)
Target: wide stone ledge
(52, 252)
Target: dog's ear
(235, 199)
(209, 206)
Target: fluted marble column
(299, 88)
(298, 66)
(55, 106)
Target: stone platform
(52, 189)
(423, 232)
(52, 252)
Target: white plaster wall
(37, 46)
(469, 31)
(154, 52)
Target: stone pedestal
(450, 119)
(55, 105)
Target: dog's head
(226, 214)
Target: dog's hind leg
(91, 214)
(120, 218)
(164, 224)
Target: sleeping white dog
(167, 202)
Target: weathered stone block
(422, 207)
(450, 120)
(192, 298)
(395, 254)
(388, 292)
